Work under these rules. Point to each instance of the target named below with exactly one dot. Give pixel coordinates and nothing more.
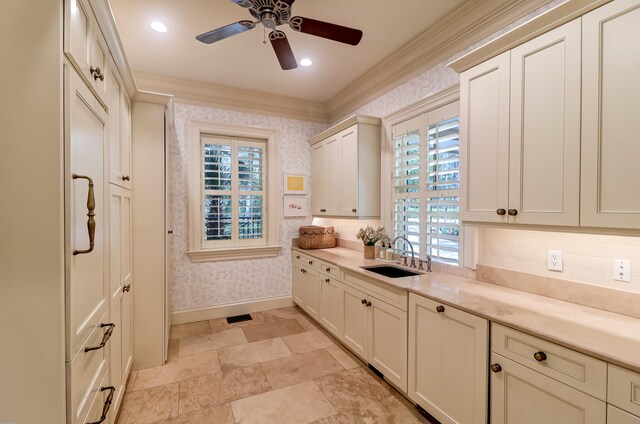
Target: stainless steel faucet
(413, 256)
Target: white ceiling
(243, 61)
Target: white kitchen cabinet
(355, 326)
(346, 169)
(120, 290)
(330, 299)
(448, 356)
(305, 284)
(610, 125)
(85, 45)
(119, 130)
(623, 390)
(87, 284)
(520, 115)
(618, 416)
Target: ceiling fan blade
(244, 3)
(283, 50)
(289, 2)
(326, 30)
(225, 32)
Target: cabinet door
(99, 62)
(319, 172)
(299, 285)
(87, 285)
(610, 124)
(310, 298)
(349, 164)
(119, 130)
(333, 174)
(388, 341)
(77, 29)
(618, 416)
(330, 308)
(354, 334)
(544, 166)
(448, 353)
(521, 395)
(484, 140)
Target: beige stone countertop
(611, 337)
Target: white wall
(200, 285)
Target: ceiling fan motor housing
(270, 13)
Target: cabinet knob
(540, 356)
(326, 280)
(368, 304)
(501, 212)
(297, 256)
(310, 262)
(304, 271)
(440, 309)
(327, 269)
(354, 210)
(496, 368)
(97, 73)
(126, 288)
(126, 178)
(169, 231)
(363, 301)
(513, 212)
(323, 210)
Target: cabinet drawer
(305, 260)
(84, 374)
(618, 416)
(397, 298)
(100, 395)
(568, 366)
(330, 269)
(624, 389)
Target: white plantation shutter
(426, 183)
(233, 191)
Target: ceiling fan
(273, 13)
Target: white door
(87, 285)
(484, 141)
(330, 309)
(349, 170)
(319, 173)
(544, 165)
(610, 124)
(448, 353)
(388, 341)
(523, 396)
(355, 313)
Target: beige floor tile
(150, 405)
(400, 410)
(347, 359)
(298, 368)
(131, 380)
(191, 329)
(271, 330)
(306, 342)
(217, 415)
(156, 376)
(213, 341)
(216, 389)
(174, 350)
(252, 353)
(198, 364)
(297, 404)
(292, 313)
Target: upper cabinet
(520, 138)
(85, 45)
(610, 124)
(119, 130)
(346, 169)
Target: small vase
(369, 252)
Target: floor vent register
(239, 318)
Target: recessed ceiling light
(306, 62)
(158, 26)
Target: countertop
(605, 335)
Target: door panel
(355, 322)
(388, 341)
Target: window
(426, 183)
(232, 186)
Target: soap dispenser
(383, 251)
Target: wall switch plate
(554, 260)
(622, 270)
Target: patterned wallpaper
(200, 285)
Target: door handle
(91, 222)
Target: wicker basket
(316, 237)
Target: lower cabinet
(305, 288)
(330, 314)
(448, 357)
(618, 416)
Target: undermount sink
(390, 271)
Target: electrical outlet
(554, 260)
(622, 270)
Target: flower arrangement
(369, 236)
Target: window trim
(199, 253)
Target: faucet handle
(404, 260)
(420, 265)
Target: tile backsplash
(588, 258)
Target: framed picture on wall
(295, 184)
(295, 206)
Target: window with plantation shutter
(232, 186)
(426, 183)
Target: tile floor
(277, 368)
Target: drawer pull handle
(496, 368)
(91, 212)
(310, 262)
(105, 337)
(107, 404)
(501, 212)
(540, 356)
(327, 269)
(440, 309)
(326, 280)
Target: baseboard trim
(230, 309)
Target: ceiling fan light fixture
(306, 62)
(158, 26)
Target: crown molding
(238, 99)
(465, 25)
(549, 20)
(349, 122)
